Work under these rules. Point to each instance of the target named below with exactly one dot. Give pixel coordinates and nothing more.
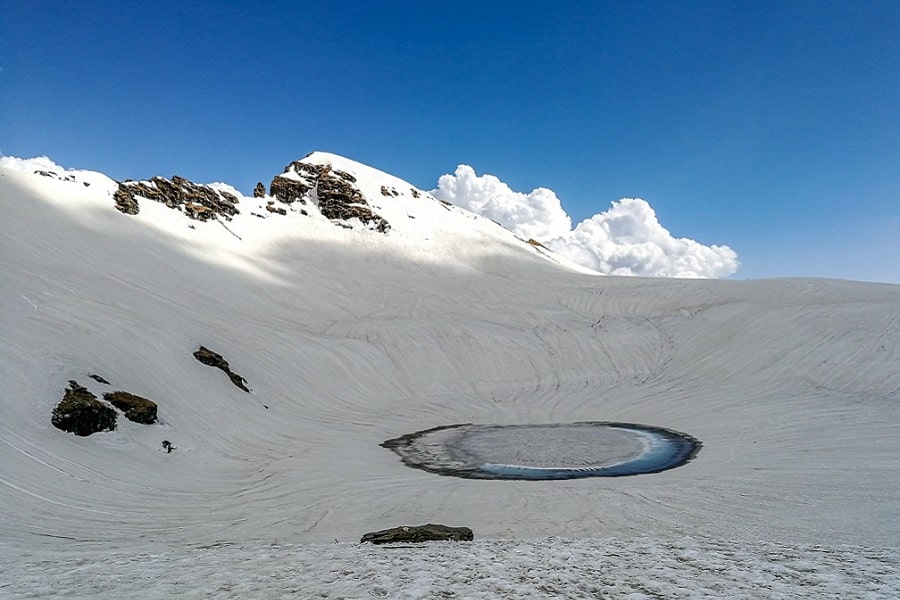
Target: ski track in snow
(349, 338)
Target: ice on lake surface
(557, 451)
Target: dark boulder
(214, 359)
(260, 190)
(419, 533)
(136, 408)
(80, 412)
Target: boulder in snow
(214, 359)
(419, 533)
(136, 408)
(80, 412)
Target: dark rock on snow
(199, 202)
(333, 191)
(419, 533)
(136, 408)
(80, 412)
(125, 201)
(214, 359)
(289, 188)
(270, 206)
(98, 379)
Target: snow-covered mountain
(356, 309)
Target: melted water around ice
(559, 451)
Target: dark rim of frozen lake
(545, 452)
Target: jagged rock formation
(260, 190)
(214, 359)
(80, 412)
(419, 533)
(295, 183)
(333, 191)
(136, 408)
(199, 202)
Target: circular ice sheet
(558, 451)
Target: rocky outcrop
(334, 192)
(199, 202)
(270, 206)
(295, 183)
(136, 408)
(338, 199)
(419, 533)
(80, 412)
(214, 359)
(260, 190)
(125, 201)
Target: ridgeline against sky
(767, 128)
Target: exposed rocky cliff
(334, 192)
(199, 202)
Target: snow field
(348, 338)
(638, 569)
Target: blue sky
(770, 127)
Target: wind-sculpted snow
(351, 337)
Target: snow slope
(348, 337)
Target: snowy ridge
(422, 227)
(350, 337)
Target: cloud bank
(627, 239)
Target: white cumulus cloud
(627, 239)
(30, 165)
(537, 215)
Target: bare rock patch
(136, 408)
(214, 359)
(199, 202)
(430, 532)
(81, 413)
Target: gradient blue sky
(770, 127)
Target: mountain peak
(318, 196)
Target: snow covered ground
(349, 337)
(534, 568)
